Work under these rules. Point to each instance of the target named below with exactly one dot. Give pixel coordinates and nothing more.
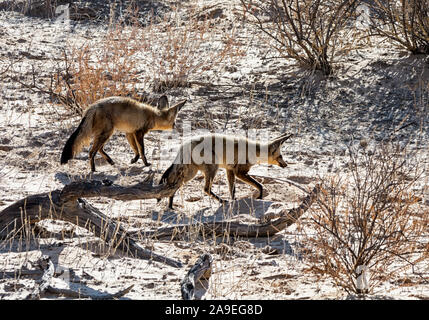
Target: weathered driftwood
(196, 281)
(66, 205)
(236, 229)
(48, 268)
(44, 285)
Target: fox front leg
(132, 142)
(243, 176)
(139, 139)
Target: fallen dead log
(236, 229)
(67, 205)
(80, 295)
(31, 273)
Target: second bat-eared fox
(210, 152)
(105, 116)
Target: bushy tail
(166, 174)
(172, 176)
(78, 138)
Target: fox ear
(163, 102)
(277, 142)
(178, 106)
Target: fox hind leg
(170, 201)
(97, 146)
(106, 156)
(231, 183)
(189, 172)
(209, 173)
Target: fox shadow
(121, 171)
(246, 207)
(249, 209)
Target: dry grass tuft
(132, 58)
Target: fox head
(274, 147)
(167, 114)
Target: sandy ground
(374, 90)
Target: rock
(5, 148)
(213, 14)
(308, 162)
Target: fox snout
(282, 163)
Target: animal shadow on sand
(131, 171)
(248, 209)
(246, 206)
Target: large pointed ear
(163, 102)
(277, 142)
(178, 106)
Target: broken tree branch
(44, 285)
(66, 205)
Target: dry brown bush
(179, 49)
(131, 58)
(307, 31)
(369, 219)
(92, 72)
(406, 22)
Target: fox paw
(134, 160)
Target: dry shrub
(180, 49)
(406, 22)
(132, 58)
(307, 31)
(91, 71)
(369, 220)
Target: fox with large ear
(211, 152)
(274, 147)
(105, 116)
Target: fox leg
(189, 173)
(98, 144)
(209, 174)
(106, 156)
(132, 142)
(170, 201)
(231, 182)
(243, 176)
(139, 139)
